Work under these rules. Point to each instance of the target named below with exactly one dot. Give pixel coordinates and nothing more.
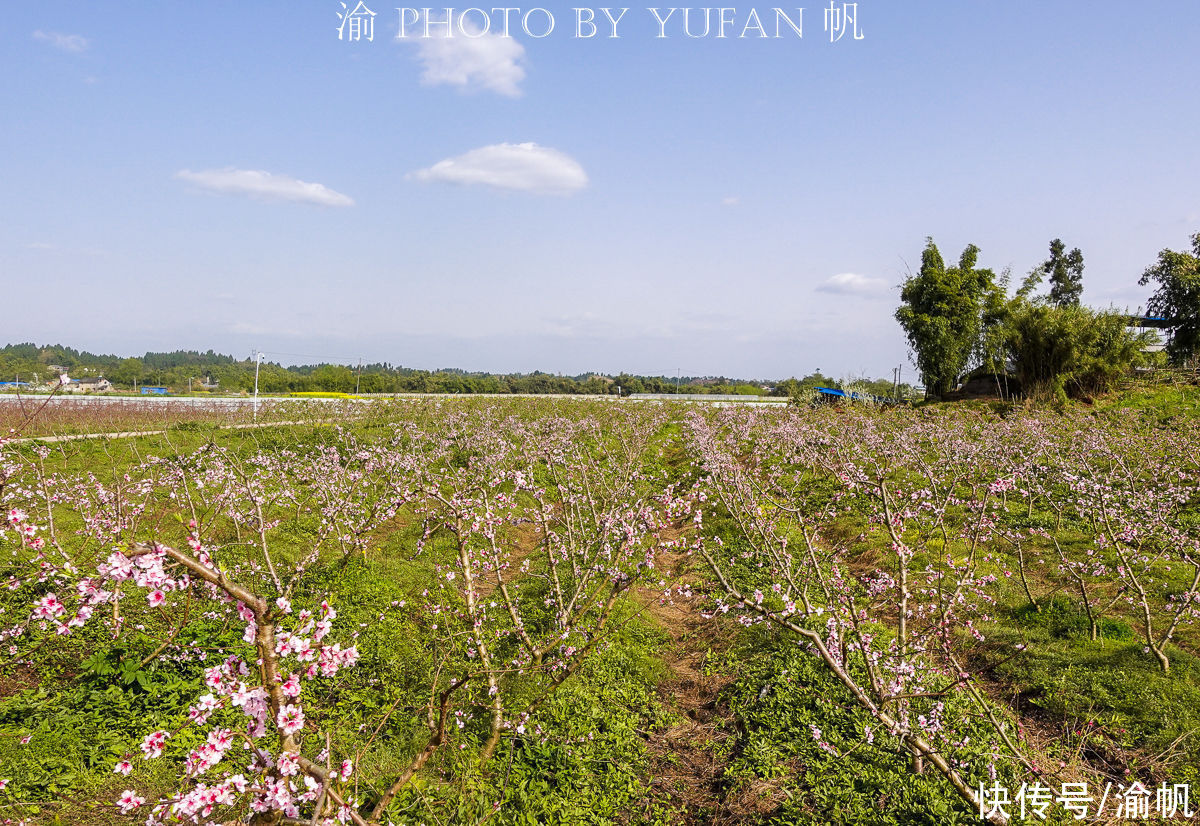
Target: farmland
(547, 611)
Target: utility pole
(678, 374)
(358, 380)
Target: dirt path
(129, 434)
(688, 759)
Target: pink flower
(322, 628)
(291, 687)
(302, 649)
(288, 765)
(214, 677)
(290, 719)
(156, 598)
(124, 767)
(152, 745)
(129, 801)
(48, 607)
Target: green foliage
(1112, 696)
(783, 692)
(183, 369)
(1049, 346)
(1072, 350)
(1177, 275)
(1161, 403)
(1063, 618)
(803, 391)
(582, 758)
(1065, 270)
(79, 729)
(593, 762)
(942, 315)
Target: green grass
(87, 702)
(779, 695)
(1109, 689)
(1162, 402)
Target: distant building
(91, 384)
(1156, 323)
(831, 394)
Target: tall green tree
(942, 315)
(1177, 275)
(1065, 270)
(126, 372)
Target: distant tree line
(214, 372)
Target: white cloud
(67, 42)
(522, 166)
(731, 201)
(850, 283)
(264, 186)
(468, 57)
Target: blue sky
(232, 175)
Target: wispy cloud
(67, 42)
(851, 283)
(468, 57)
(520, 166)
(731, 201)
(264, 186)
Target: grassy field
(537, 609)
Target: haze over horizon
(195, 177)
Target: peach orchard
(880, 542)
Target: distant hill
(212, 371)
